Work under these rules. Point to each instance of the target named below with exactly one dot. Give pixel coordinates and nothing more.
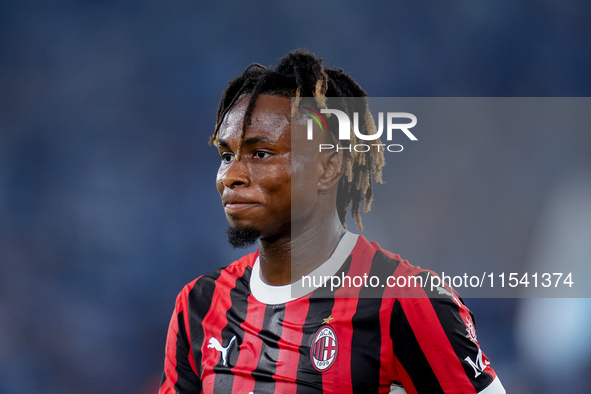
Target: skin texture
(289, 196)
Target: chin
(241, 236)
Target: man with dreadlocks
(249, 327)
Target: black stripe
(367, 339)
(270, 335)
(308, 377)
(321, 304)
(409, 353)
(382, 267)
(199, 300)
(235, 316)
(187, 381)
(325, 292)
(454, 326)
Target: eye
(259, 154)
(227, 157)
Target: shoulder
(433, 332)
(224, 278)
(378, 254)
(402, 280)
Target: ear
(331, 172)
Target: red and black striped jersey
(232, 333)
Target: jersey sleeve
(435, 345)
(179, 374)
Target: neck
(285, 260)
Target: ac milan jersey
(232, 333)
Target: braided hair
(300, 74)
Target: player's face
(256, 189)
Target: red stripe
(289, 344)
(215, 320)
(170, 357)
(171, 341)
(346, 299)
(404, 378)
(438, 349)
(391, 369)
(250, 349)
(387, 369)
(435, 344)
(187, 327)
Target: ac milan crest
(471, 330)
(325, 347)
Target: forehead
(271, 116)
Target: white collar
(275, 295)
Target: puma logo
(215, 344)
(443, 291)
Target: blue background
(107, 197)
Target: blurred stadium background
(107, 197)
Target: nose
(233, 174)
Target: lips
(235, 207)
(235, 204)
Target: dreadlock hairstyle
(300, 74)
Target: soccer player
(244, 329)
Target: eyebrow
(249, 141)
